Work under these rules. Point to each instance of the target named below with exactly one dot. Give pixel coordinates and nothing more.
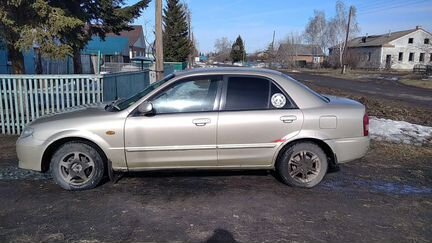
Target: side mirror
(145, 108)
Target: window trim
(422, 57)
(400, 57)
(413, 57)
(182, 80)
(271, 81)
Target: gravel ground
(384, 197)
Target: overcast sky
(255, 20)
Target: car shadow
(221, 236)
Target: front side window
(126, 103)
(410, 40)
(254, 93)
(189, 95)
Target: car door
(256, 116)
(181, 131)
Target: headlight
(28, 131)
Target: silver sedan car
(219, 118)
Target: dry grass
(384, 108)
(421, 83)
(358, 75)
(401, 152)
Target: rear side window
(254, 93)
(247, 93)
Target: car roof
(229, 70)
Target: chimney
(418, 27)
(389, 33)
(364, 38)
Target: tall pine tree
(238, 52)
(176, 43)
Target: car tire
(77, 166)
(302, 165)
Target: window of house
(422, 57)
(369, 56)
(430, 59)
(411, 57)
(410, 40)
(426, 41)
(400, 56)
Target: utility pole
(272, 51)
(159, 42)
(188, 15)
(346, 42)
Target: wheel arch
(331, 156)
(50, 150)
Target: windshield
(123, 104)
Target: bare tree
(316, 31)
(337, 28)
(222, 49)
(150, 45)
(288, 50)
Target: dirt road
(385, 197)
(381, 88)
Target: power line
(385, 8)
(367, 5)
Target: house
(394, 50)
(300, 54)
(136, 41)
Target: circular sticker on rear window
(278, 100)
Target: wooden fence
(23, 98)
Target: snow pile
(399, 132)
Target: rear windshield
(322, 97)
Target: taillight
(365, 125)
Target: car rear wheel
(302, 165)
(77, 166)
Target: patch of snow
(399, 132)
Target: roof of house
(378, 40)
(132, 35)
(300, 50)
(111, 46)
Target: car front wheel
(77, 166)
(302, 165)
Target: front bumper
(29, 152)
(348, 149)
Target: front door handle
(288, 119)
(201, 121)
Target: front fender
(114, 153)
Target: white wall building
(394, 50)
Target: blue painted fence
(123, 85)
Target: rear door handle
(288, 119)
(201, 121)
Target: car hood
(76, 113)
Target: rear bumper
(29, 152)
(348, 149)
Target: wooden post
(346, 42)
(159, 42)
